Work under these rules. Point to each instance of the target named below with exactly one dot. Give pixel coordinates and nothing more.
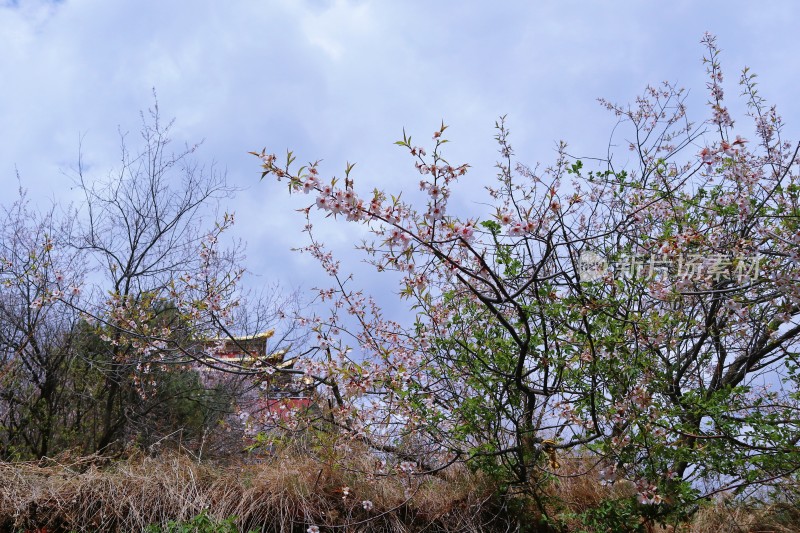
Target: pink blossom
(721, 117)
(707, 155)
(727, 149)
(516, 230)
(466, 232)
(435, 213)
(349, 197)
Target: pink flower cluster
(709, 155)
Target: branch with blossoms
(448, 265)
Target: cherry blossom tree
(106, 307)
(644, 316)
(172, 279)
(40, 289)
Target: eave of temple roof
(275, 359)
(263, 335)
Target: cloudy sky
(339, 80)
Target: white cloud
(338, 80)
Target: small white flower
(313, 529)
(406, 467)
(367, 505)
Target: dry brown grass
(288, 492)
(294, 489)
(577, 485)
(578, 489)
(734, 517)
